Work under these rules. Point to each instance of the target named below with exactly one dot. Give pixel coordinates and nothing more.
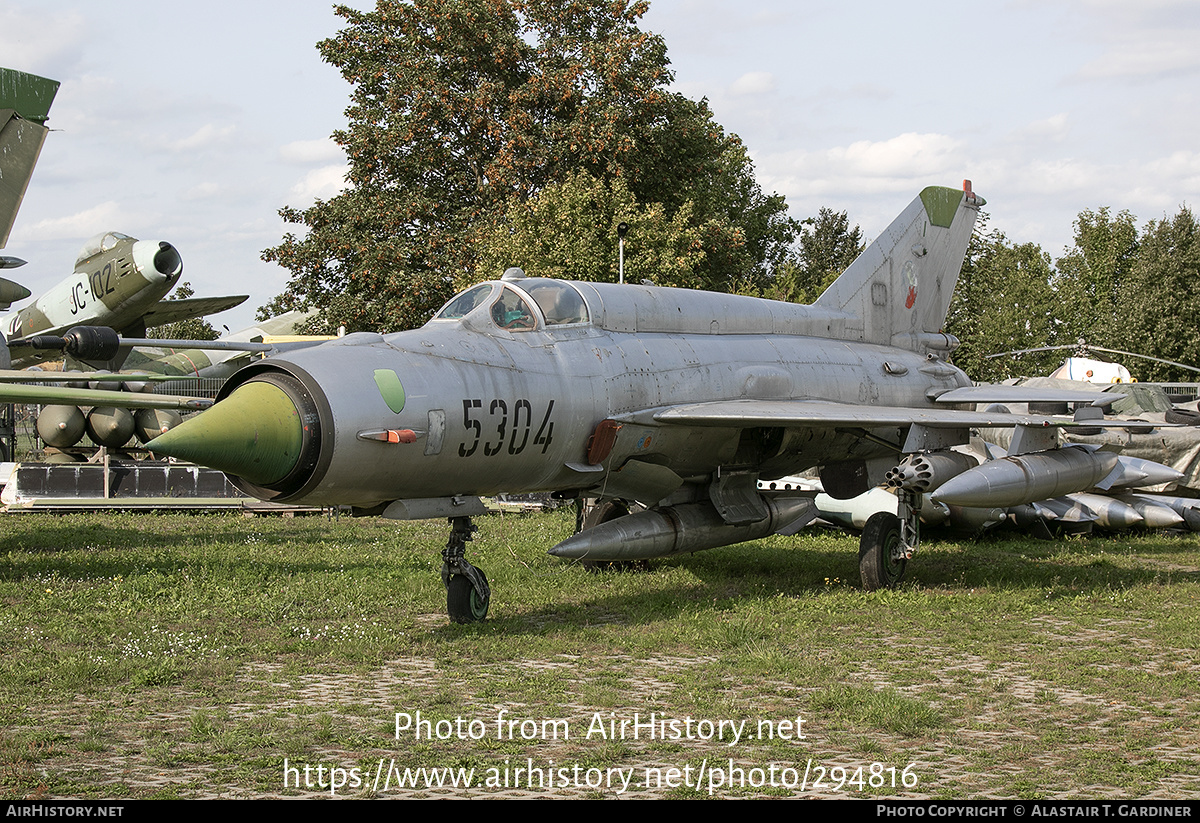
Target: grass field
(221, 656)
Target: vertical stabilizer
(24, 106)
(899, 289)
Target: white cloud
(40, 42)
(906, 156)
(204, 137)
(884, 165)
(1051, 128)
(103, 217)
(1148, 53)
(203, 191)
(306, 152)
(323, 183)
(752, 83)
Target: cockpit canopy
(102, 242)
(520, 305)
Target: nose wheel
(467, 592)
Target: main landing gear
(889, 541)
(467, 593)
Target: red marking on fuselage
(912, 297)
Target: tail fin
(900, 287)
(24, 103)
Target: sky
(195, 123)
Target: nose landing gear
(467, 592)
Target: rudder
(900, 287)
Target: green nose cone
(255, 434)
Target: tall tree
(462, 108)
(1160, 299)
(1093, 273)
(827, 246)
(1004, 302)
(569, 230)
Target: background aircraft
(62, 426)
(24, 108)
(118, 282)
(25, 101)
(678, 400)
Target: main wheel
(463, 603)
(878, 566)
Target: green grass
(188, 656)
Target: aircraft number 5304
(506, 430)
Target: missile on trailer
(1164, 511)
(974, 519)
(150, 423)
(1137, 472)
(1063, 510)
(110, 426)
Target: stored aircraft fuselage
(675, 400)
(116, 279)
(505, 388)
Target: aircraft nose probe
(267, 433)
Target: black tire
(1186, 417)
(875, 563)
(463, 603)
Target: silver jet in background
(679, 401)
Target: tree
(462, 110)
(827, 246)
(194, 328)
(569, 231)
(1093, 273)
(1004, 302)
(1160, 299)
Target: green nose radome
(255, 433)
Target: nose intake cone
(256, 433)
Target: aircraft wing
(821, 414)
(21, 376)
(98, 397)
(989, 393)
(24, 104)
(171, 311)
